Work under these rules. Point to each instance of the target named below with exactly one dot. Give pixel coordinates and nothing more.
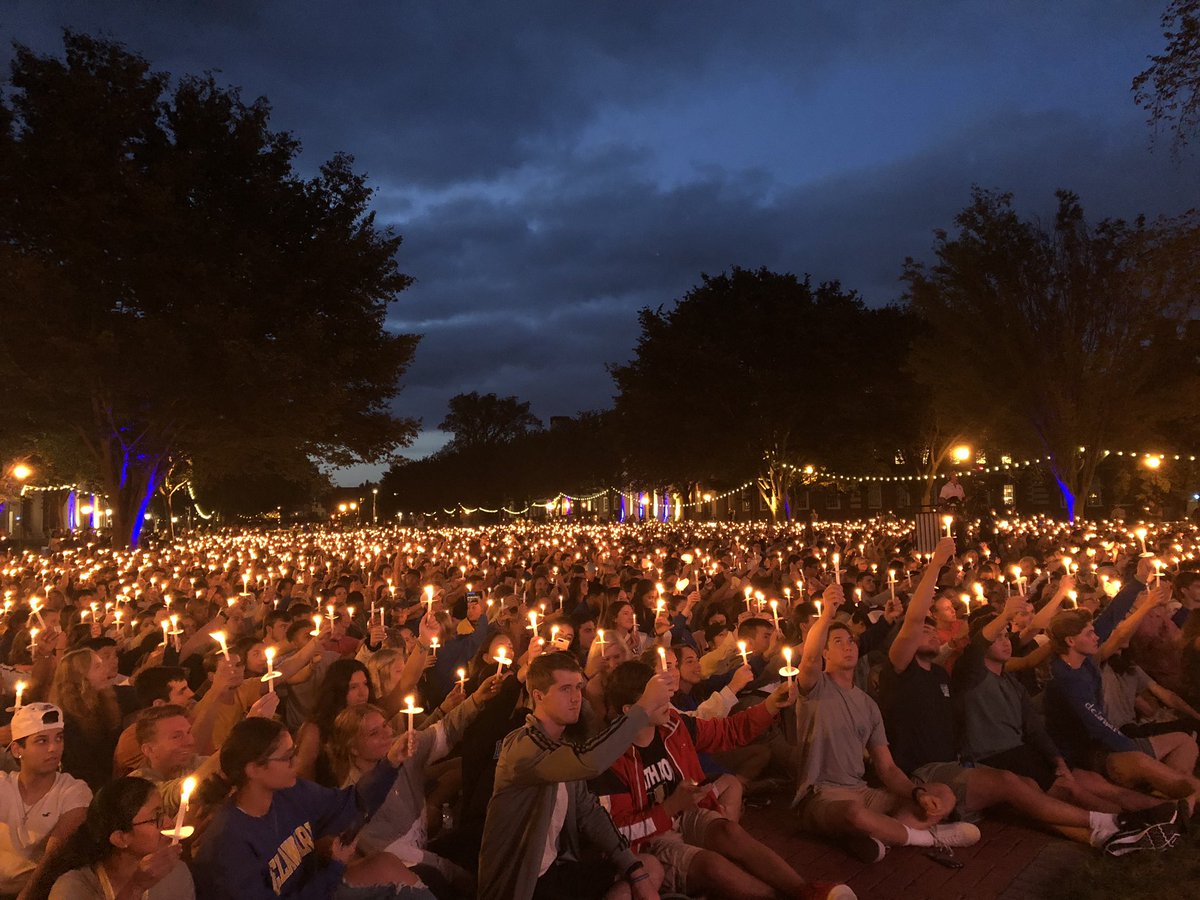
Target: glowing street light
(1152, 462)
(21, 471)
(961, 453)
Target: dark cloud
(554, 166)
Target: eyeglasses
(160, 818)
(286, 758)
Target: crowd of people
(569, 710)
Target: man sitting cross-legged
(836, 724)
(659, 801)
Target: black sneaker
(1163, 814)
(1155, 837)
(864, 847)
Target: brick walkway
(1008, 863)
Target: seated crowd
(567, 711)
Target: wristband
(637, 864)
(645, 876)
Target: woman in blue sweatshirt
(274, 835)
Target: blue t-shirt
(1075, 715)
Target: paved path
(1010, 862)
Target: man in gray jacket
(543, 814)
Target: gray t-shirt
(1121, 693)
(834, 726)
(84, 884)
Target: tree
(485, 420)
(1169, 88)
(173, 289)
(760, 373)
(1070, 339)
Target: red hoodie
(622, 789)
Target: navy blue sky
(555, 166)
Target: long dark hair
(250, 740)
(331, 696)
(114, 808)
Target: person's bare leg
(1123, 798)
(848, 817)
(622, 890)
(1177, 750)
(730, 840)
(378, 868)
(988, 787)
(711, 873)
(729, 795)
(1134, 768)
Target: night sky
(553, 167)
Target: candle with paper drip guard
(219, 637)
(272, 672)
(502, 659)
(741, 645)
(411, 711)
(947, 521)
(600, 637)
(181, 831)
(788, 671)
(20, 692)
(434, 643)
(429, 599)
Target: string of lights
(1150, 458)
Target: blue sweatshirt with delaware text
(244, 857)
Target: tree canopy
(1169, 88)
(1070, 338)
(485, 420)
(175, 288)
(756, 371)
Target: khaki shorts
(954, 777)
(676, 849)
(817, 810)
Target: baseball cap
(34, 718)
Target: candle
(600, 636)
(272, 674)
(462, 679)
(818, 605)
(948, 521)
(681, 585)
(775, 612)
(837, 573)
(434, 643)
(788, 671)
(1141, 536)
(166, 627)
(317, 619)
(533, 617)
(662, 658)
(185, 794)
(892, 582)
(429, 599)
(175, 631)
(741, 645)
(20, 692)
(219, 637)
(502, 659)
(410, 711)
(553, 633)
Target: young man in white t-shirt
(40, 807)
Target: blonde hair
(339, 746)
(379, 668)
(96, 712)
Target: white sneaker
(955, 834)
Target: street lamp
(341, 507)
(961, 453)
(374, 505)
(1152, 462)
(21, 471)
